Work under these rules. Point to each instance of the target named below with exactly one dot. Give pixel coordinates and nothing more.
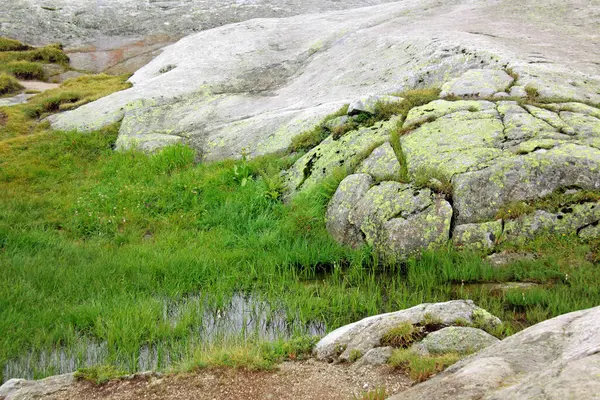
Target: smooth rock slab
(21, 389)
(382, 164)
(376, 356)
(457, 339)
(478, 83)
(348, 194)
(554, 360)
(366, 334)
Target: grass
(9, 85)
(99, 374)
(375, 394)
(23, 119)
(311, 138)
(7, 44)
(24, 70)
(402, 335)
(418, 367)
(433, 179)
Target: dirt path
(294, 380)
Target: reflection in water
(243, 318)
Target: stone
(337, 122)
(506, 258)
(555, 359)
(568, 221)
(383, 202)
(248, 88)
(346, 152)
(366, 334)
(457, 339)
(368, 104)
(551, 118)
(477, 236)
(518, 91)
(590, 232)
(427, 230)
(21, 389)
(478, 83)
(350, 191)
(382, 164)
(479, 195)
(439, 108)
(376, 356)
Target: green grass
(402, 335)
(418, 367)
(49, 54)
(24, 69)
(7, 44)
(9, 85)
(375, 394)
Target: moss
(9, 85)
(355, 355)
(555, 202)
(433, 179)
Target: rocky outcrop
(362, 336)
(252, 86)
(21, 389)
(457, 339)
(556, 359)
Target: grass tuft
(9, 85)
(24, 69)
(7, 44)
(401, 336)
(420, 368)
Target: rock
(518, 91)
(427, 230)
(439, 108)
(383, 202)
(346, 152)
(569, 220)
(478, 83)
(14, 100)
(551, 118)
(254, 85)
(337, 122)
(506, 258)
(376, 356)
(382, 164)
(477, 236)
(556, 359)
(457, 339)
(366, 334)
(350, 191)
(21, 389)
(479, 195)
(369, 103)
(590, 231)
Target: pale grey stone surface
(477, 83)
(555, 359)
(457, 339)
(382, 164)
(21, 389)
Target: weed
(420, 368)
(9, 85)
(461, 322)
(375, 394)
(99, 374)
(355, 355)
(532, 93)
(433, 179)
(432, 322)
(401, 336)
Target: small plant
(9, 85)
(99, 374)
(401, 336)
(7, 44)
(432, 322)
(461, 322)
(532, 93)
(433, 179)
(514, 210)
(375, 394)
(420, 368)
(355, 355)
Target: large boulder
(21, 389)
(457, 339)
(556, 359)
(366, 334)
(250, 87)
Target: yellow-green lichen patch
(439, 108)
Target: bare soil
(305, 380)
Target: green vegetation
(375, 394)
(555, 202)
(402, 335)
(310, 138)
(12, 45)
(9, 85)
(418, 367)
(433, 179)
(99, 374)
(24, 69)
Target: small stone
(518, 91)
(376, 356)
(477, 236)
(458, 339)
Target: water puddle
(242, 318)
